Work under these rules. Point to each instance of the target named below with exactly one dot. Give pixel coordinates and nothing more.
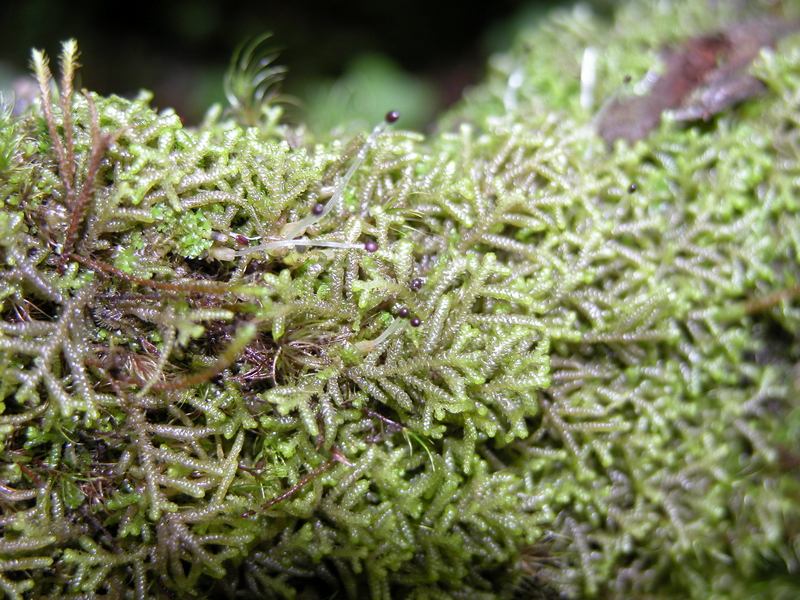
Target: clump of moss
(234, 362)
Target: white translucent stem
(297, 242)
(298, 227)
(367, 346)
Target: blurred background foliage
(348, 61)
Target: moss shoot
(505, 360)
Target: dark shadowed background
(428, 49)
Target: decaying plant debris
(704, 76)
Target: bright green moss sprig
(237, 363)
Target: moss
(501, 359)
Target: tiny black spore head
(403, 312)
(632, 188)
(415, 322)
(392, 116)
(371, 246)
(318, 208)
(416, 283)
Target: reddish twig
(101, 142)
(195, 378)
(211, 287)
(300, 484)
(758, 305)
(393, 425)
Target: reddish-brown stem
(31, 475)
(758, 305)
(101, 142)
(195, 379)
(300, 484)
(394, 425)
(211, 287)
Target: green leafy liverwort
(500, 361)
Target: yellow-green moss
(565, 369)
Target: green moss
(542, 377)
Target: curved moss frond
(504, 356)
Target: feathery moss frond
(398, 366)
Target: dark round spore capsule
(318, 208)
(416, 283)
(392, 116)
(415, 322)
(240, 239)
(371, 246)
(627, 79)
(403, 312)
(632, 188)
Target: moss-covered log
(507, 358)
